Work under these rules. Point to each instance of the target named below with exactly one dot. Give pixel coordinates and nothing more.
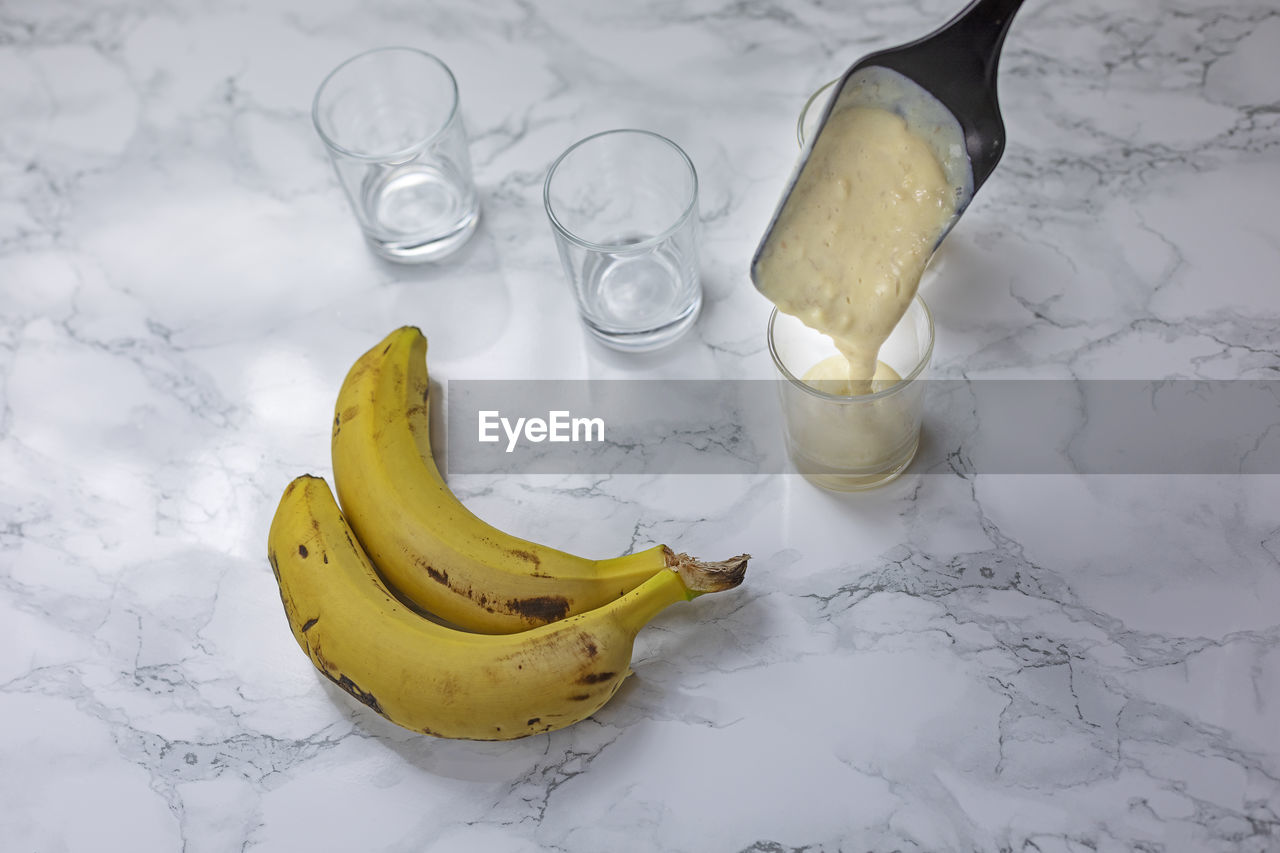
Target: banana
(434, 552)
(438, 680)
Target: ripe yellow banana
(439, 680)
(433, 551)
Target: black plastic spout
(958, 64)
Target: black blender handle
(957, 63)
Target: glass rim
(401, 153)
(808, 104)
(647, 243)
(895, 388)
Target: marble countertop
(957, 661)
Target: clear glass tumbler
(851, 443)
(812, 112)
(623, 206)
(390, 120)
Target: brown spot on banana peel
(341, 679)
(351, 542)
(286, 600)
(595, 677)
(302, 551)
(345, 416)
(352, 689)
(290, 612)
(537, 610)
(417, 413)
(448, 688)
(527, 556)
(541, 608)
(309, 624)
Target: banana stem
(707, 576)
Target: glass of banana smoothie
(850, 442)
(850, 335)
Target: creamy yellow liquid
(856, 443)
(831, 375)
(848, 248)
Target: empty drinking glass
(623, 206)
(390, 120)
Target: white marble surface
(954, 662)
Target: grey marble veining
(957, 661)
